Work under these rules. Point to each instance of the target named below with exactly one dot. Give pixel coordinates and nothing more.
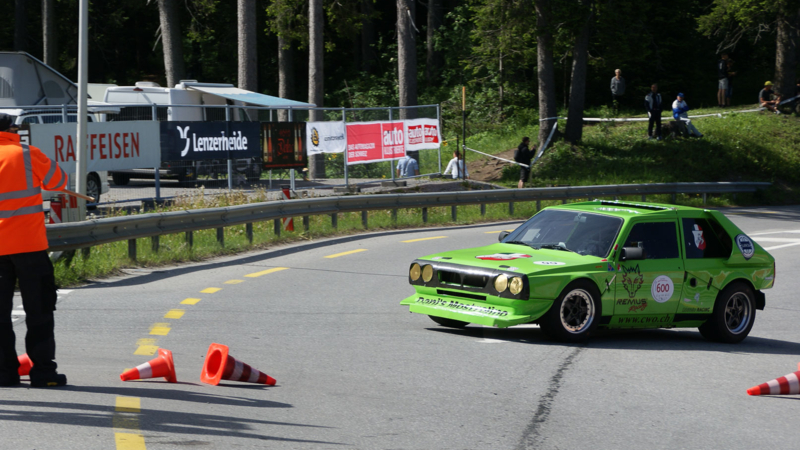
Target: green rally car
(577, 267)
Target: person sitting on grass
(768, 99)
(679, 112)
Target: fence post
(276, 228)
(156, 172)
(221, 236)
(454, 212)
(305, 223)
(189, 238)
(424, 215)
(230, 161)
(364, 219)
(335, 221)
(154, 243)
(483, 209)
(248, 231)
(132, 249)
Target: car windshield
(573, 231)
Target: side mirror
(631, 254)
(502, 236)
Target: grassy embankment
(740, 147)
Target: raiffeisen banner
(109, 145)
(325, 137)
(422, 134)
(375, 141)
(192, 141)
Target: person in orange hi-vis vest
(24, 172)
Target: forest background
(517, 58)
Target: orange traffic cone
(25, 365)
(221, 366)
(785, 385)
(160, 366)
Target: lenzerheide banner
(193, 141)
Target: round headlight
(501, 283)
(427, 272)
(414, 272)
(515, 287)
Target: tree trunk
(20, 26)
(433, 64)
(786, 55)
(171, 42)
(406, 57)
(367, 37)
(248, 65)
(285, 75)
(577, 91)
(49, 35)
(545, 71)
(315, 77)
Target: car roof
(626, 209)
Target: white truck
(187, 101)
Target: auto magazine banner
(369, 142)
(193, 141)
(109, 145)
(325, 137)
(284, 145)
(422, 134)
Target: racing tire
(733, 315)
(93, 188)
(574, 314)
(120, 179)
(449, 323)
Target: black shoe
(7, 381)
(51, 380)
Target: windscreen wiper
(521, 243)
(557, 247)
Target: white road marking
(774, 232)
(781, 246)
(486, 340)
(771, 239)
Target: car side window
(30, 119)
(703, 238)
(52, 118)
(658, 239)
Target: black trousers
(37, 284)
(655, 118)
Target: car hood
(517, 258)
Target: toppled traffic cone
(160, 366)
(785, 385)
(221, 366)
(25, 365)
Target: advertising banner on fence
(325, 137)
(193, 141)
(284, 145)
(422, 134)
(109, 145)
(375, 141)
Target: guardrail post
(335, 221)
(248, 231)
(563, 201)
(538, 205)
(221, 236)
(644, 198)
(705, 197)
(483, 209)
(132, 249)
(674, 198)
(277, 228)
(511, 208)
(394, 216)
(364, 219)
(424, 215)
(306, 223)
(86, 251)
(189, 238)
(454, 212)
(154, 243)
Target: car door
(648, 290)
(706, 248)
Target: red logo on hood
(503, 256)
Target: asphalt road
(356, 370)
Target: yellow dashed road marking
(129, 441)
(146, 347)
(128, 404)
(190, 301)
(174, 314)
(127, 434)
(424, 239)
(497, 232)
(160, 329)
(233, 281)
(265, 272)
(210, 290)
(346, 253)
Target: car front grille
(460, 279)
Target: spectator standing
(456, 167)
(722, 77)
(524, 155)
(24, 172)
(729, 91)
(652, 103)
(768, 99)
(679, 111)
(617, 89)
(407, 166)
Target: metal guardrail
(71, 236)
